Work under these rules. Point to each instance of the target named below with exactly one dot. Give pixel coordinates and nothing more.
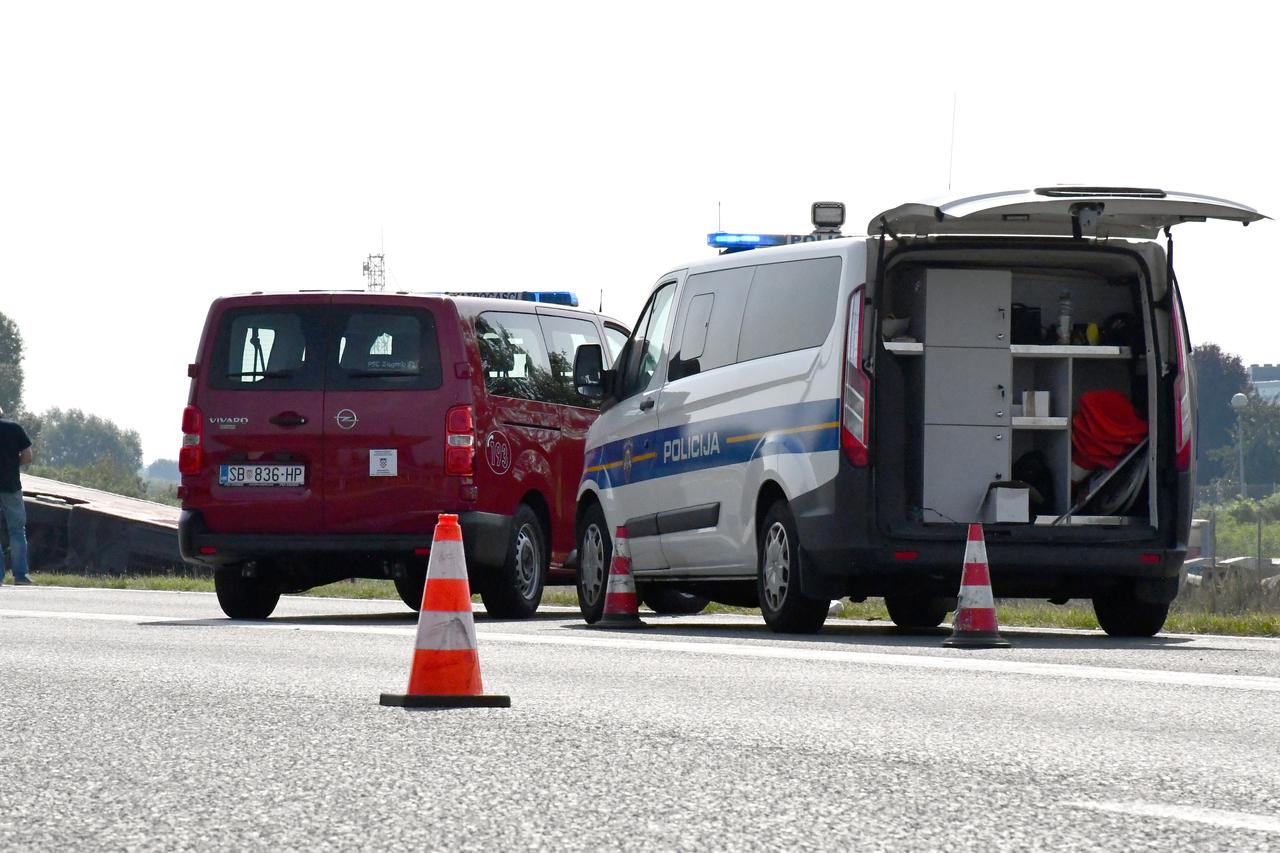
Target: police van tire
(409, 587)
(786, 609)
(595, 555)
(514, 591)
(917, 612)
(1121, 613)
(672, 602)
(245, 597)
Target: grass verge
(1026, 614)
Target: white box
(1035, 404)
(1006, 502)
(382, 463)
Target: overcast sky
(155, 156)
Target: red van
(325, 431)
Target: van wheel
(1122, 614)
(672, 602)
(410, 586)
(595, 555)
(917, 612)
(245, 597)
(515, 590)
(786, 609)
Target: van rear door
(384, 414)
(1060, 211)
(262, 405)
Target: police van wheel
(1121, 613)
(917, 612)
(595, 554)
(245, 597)
(786, 609)
(515, 590)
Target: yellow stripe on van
(643, 457)
(755, 436)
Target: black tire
(917, 612)
(786, 609)
(245, 597)
(410, 586)
(672, 602)
(1122, 614)
(595, 555)
(514, 591)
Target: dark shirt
(13, 440)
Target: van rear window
(312, 347)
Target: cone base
(620, 622)
(976, 640)
(411, 700)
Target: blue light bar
(548, 297)
(731, 242)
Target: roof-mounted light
(827, 215)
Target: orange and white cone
(975, 624)
(621, 603)
(446, 664)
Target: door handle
(646, 405)
(288, 419)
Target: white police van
(822, 416)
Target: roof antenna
(952, 162)
(718, 228)
(601, 311)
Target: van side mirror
(589, 375)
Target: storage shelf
(1040, 423)
(1068, 351)
(1089, 521)
(905, 347)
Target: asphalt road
(146, 721)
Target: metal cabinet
(960, 462)
(967, 308)
(968, 386)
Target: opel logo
(346, 419)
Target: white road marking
(579, 637)
(1195, 814)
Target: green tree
(165, 470)
(106, 474)
(74, 439)
(1219, 375)
(10, 366)
(1261, 422)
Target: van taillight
(855, 401)
(191, 456)
(460, 441)
(1182, 412)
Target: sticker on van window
(382, 463)
(497, 450)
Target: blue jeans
(15, 519)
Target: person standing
(15, 450)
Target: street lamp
(1240, 402)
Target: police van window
(563, 336)
(791, 306)
(645, 348)
(514, 357)
(615, 339)
(384, 349)
(267, 349)
(714, 303)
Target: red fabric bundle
(1104, 429)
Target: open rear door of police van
(1059, 211)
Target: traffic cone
(446, 665)
(621, 604)
(975, 624)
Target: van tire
(1121, 613)
(595, 556)
(672, 602)
(786, 609)
(514, 591)
(918, 612)
(244, 597)
(409, 587)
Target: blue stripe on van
(801, 428)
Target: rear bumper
(485, 537)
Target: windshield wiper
(365, 374)
(265, 374)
